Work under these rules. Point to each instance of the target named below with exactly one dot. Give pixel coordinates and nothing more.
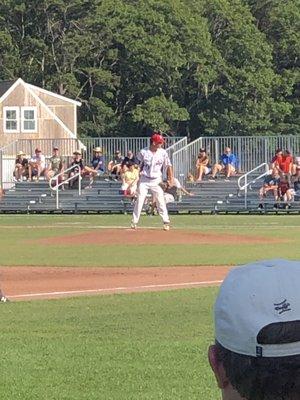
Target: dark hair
(266, 378)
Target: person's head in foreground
(257, 329)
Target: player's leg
(140, 199)
(161, 204)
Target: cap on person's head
(117, 151)
(55, 148)
(77, 152)
(253, 297)
(21, 153)
(157, 138)
(97, 150)
(37, 150)
(202, 150)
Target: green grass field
(19, 232)
(129, 346)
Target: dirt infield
(28, 283)
(151, 237)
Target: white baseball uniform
(151, 164)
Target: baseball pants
(151, 185)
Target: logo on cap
(282, 307)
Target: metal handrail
(245, 177)
(58, 185)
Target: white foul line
(115, 289)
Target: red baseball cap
(157, 138)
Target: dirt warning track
(29, 283)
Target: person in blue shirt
(227, 164)
(98, 161)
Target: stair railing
(245, 180)
(58, 184)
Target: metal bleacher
(217, 197)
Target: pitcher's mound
(152, 237)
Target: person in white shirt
(152, 161)
(37, 164)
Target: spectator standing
(256, 355)
(284, 163)
(276, 158)
(21, 166)
(55, 165)
(37, 164)
(227, 164)
(202, 165)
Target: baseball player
(152, 161)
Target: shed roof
(5, 85)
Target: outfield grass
(137, 346)
(18, 233)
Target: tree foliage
(218, 67)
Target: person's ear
(217, 368)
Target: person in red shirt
(275, 160)
(285, 162)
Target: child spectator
(84, 169)
(227, 164)
(21, 166)
(130, 179)
(115, 165)
(284, 190)
(55, 165)
(270, 184)
(202, 165)
(36, 165)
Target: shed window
(29, 120)
(11, 119)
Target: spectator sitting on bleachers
(36, 165)
(130, 157)
(227, 164)
(21, 166)
(84, 170)
(270, 184)
(55, 165)
(97, 161)
(130, 179)
(171, 194)
(296, 184)
(202, 165)
(296, 164)
(115, 165)
(284, 190)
